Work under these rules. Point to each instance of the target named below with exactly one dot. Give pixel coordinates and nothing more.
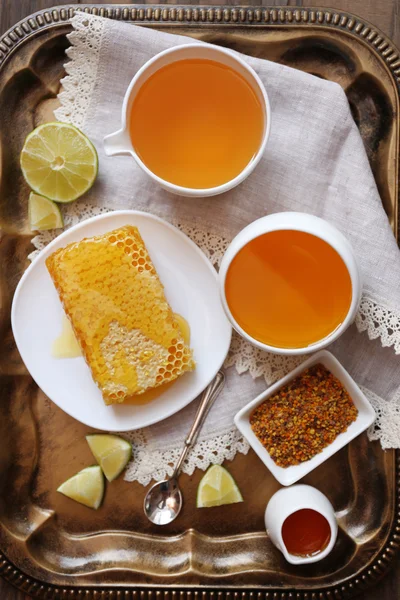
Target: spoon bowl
(163, 502)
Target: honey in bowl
(288, 289)
(196, 123)
(306, 533)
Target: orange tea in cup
(288, 289)
(196, 123)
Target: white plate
(366, 416)
(191, 288)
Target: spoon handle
(209, 396)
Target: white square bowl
(365, 418)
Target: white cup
(298, 222)
(120, 142)
(289, 500)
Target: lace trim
(246, 357)
(386, 426)
(379, 322)
(159, 464)
(81, 70)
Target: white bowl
(297, 222)
(120, 142)
(287, 501)
(365, 418)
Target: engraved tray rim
(383, 48)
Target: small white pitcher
(289, 500)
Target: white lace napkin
(314, 162)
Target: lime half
(86, 487)
(216, 488)
(43, 213)
(58, 161)
(111, 452)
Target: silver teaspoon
(163, 501)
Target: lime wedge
(59, 162)
(43, 213)
(86, 487)
(111, 452)
(216, 488)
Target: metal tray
(53, 548)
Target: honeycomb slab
(116, 303)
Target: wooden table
(385, 14)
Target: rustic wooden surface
(385, 14)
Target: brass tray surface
(51, 547)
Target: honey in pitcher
(306, 533)
(196, 123)
(288, 289)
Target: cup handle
(117, 143)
